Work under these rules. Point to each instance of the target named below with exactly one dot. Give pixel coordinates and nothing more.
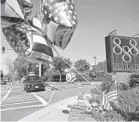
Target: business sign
(122, 53)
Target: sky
(96, 18)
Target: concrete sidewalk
(52, 112)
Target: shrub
(104, 85)
(107, 115)
(128, 108)
(80, 78)
(134, 80)
(123, 86)
(128, 104)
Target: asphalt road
(16, 104)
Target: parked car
(32, 83)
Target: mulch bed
(77, 113)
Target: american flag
(55, 8)
(110, 95)
(61, 19)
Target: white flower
(89, 109)
(94, 104)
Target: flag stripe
(41, 56)
(38, 47)
(110, 96)
(73, 79)
(114, 99)
(110, 93)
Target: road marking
(7, 94)
(18, 103)
(23, 107)
(79, 87)
(40, 99)
(51, 97)
(31, 99)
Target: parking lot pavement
(4, 91)
(19, 104)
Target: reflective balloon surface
(29, 43)
(15, 11)
(32, 38)
(61, 20)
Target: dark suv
(32, 83)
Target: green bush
(107, 115)
(104, 85)
(134, 80)
(80, 78)
(128, 104)
(123, 86)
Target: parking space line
(31, 99)
(18, 103)
(7, 94)
(40, 99)
(23, 107)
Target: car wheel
(27, 90)
(43, 89)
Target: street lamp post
(95, 60)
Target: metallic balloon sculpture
(33, 37)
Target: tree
(101, 68)
(10, 67)
(60, 65)
(82, 65)
(21, 66)
(1, 74)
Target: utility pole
(95, 60)
(95, 64)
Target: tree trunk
(60, 77)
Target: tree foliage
(82, 65)
(10, 67)
(21, 66)
(1, 74)
(60, 65)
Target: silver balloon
(15, 11)
(29, 43)
(61, 19)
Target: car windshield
(33, 78)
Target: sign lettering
(122, 53)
